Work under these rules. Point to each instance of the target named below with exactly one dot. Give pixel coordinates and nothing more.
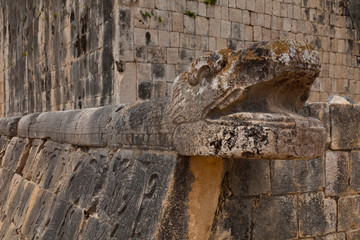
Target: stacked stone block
(55, 186)
(299, 199)
(73, 54)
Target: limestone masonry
(260, 170)
(74, 54)
(179, 119)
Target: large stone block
(134, 191)
(8, 126)
(86, 178)
(5, 184)
(234, 219)
(275, 218)
(252, 177)
(38, 214)
(16, 154)
(70, 226)
(59, 212)
(317, 215)
(13, 198)
(345, 122)
(349, 213)
(24, 203)
(353, 235)
(319, 111)
(337, 172)
(36, 147)
(297, 176)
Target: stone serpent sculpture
(238, 104)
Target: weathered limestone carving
(243, 104)
(229, 104)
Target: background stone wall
(72, 54)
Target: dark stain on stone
(233, 212)
(83, 23)
(231, 140)
(107, 59)
(182, 54)
(140, 52)
(217, 145)
(349, 50)
(232, 45)
(108, 33)
(107, 9)
(120, 66)
(158, 70)
(80, 46)
(144, 90)
(79, 102)
(307, 13)
(174, 223)
(72, 16)
(315, 30)
(317, 43)
(107, 85)
(259, 137)
(148, 38)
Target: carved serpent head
(254, 92)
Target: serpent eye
(193, 80)
(201, 73)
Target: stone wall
(59, 187)
(73, 54)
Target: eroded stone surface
(270, 215)
(297, 176)
(317, 215)
(345, 118)
(349, 213)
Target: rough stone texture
(337, 172)
(63, 192)
(234, 220)
(317, 215)
(8, 126)
(321, 112)
(252, 177)
(353, 235)
(349, 213)
(270, 215)
(344, 119)
(297, 176)
(16, 154)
